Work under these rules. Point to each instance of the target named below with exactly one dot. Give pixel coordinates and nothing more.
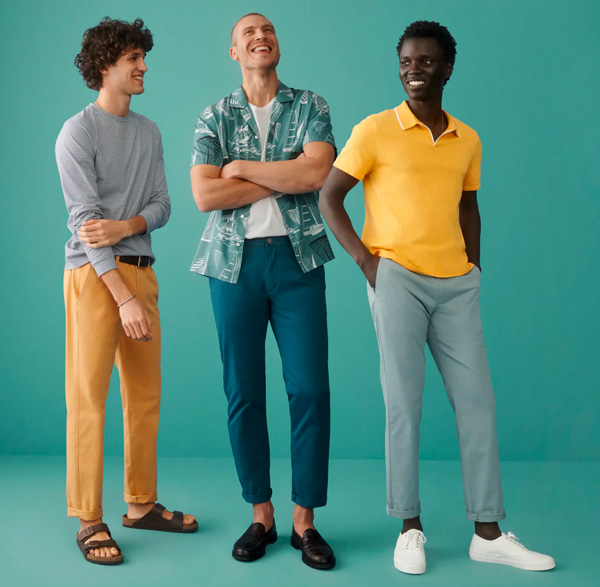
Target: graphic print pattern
(226, 131)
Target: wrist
(363, 258)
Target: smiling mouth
(261, 49)
(416, 83)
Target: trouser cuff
(486, 517)
(85, 514)
(309, 503)
(259, 498)
(150, 498)
(404, 514)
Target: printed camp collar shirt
(227, 131)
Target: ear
(233, 53)
(449, 70)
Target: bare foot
(103, 551)
(138, 510)
(303, 519)
(263, 513)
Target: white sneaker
(507, 550)
(409, 555)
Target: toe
(114, 551)
(188, 519)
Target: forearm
(116, 285)
(226, 194)
(135, 225)
(334, 213)
(297, 176)
(470, 224)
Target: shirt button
(255, 136)
(270, 241)
(237, 244)
(242, 216)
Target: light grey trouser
(409, 310)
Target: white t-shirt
(264, 218)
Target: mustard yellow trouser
(95, 340)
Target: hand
(135, 321)
(369, 268)
(230, 171)
(98, 233)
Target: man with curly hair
(260, 156)
(111, 167)
(419, 252)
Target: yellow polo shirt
(413, 186)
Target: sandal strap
(159, 508)
(91, 531)
(178, 518)
(93, 544)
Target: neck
(117, 104)
(429, 112)
(260, 86)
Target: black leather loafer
(316, 553)
(253, 542)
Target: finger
(138, 331)
(91, 221)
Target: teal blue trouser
(273, 289)
(409, 310)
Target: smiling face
(254, 43)
(423, 69)
(126, 76)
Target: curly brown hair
(104, 44)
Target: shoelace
(514, 539)
(412, 539)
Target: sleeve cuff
(151, 223)
(103, 265)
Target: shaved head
(233, 30)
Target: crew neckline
(109, 115)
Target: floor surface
(552, 507)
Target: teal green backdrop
(526, 78)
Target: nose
(414, 67)
(142, 66)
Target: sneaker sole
(410, 569)
(498, 560)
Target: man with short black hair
(111, 168)
(419, 252)
(260, 156)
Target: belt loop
(139, 261)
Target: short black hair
(104, 44)
(422, 29)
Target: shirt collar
(238, 96)
(407, 119)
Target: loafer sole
(248, 558)
(310, 563)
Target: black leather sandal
(154, 520)
(85, 547)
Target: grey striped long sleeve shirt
(111, 167)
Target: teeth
(416, 83)
(261, 48)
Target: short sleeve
(207, 146)
(318, 126)
(358, 155)
(472, 179)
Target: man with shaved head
(260, 157)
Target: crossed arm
(244, 182)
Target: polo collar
(239, 100)
(407, 119)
